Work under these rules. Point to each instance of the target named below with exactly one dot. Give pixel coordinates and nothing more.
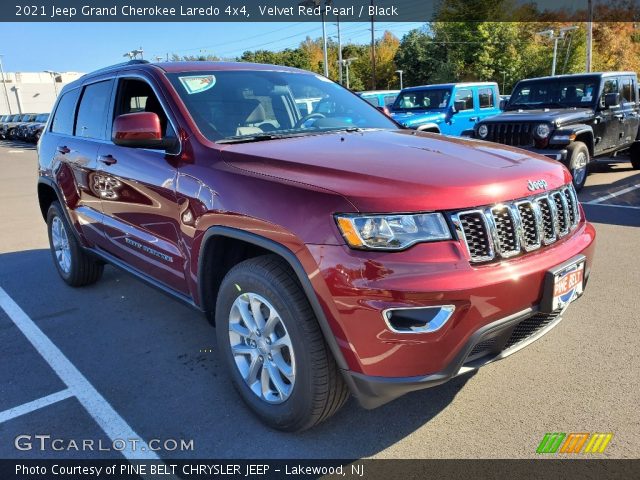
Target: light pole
(4, 83)
(339, 49)
(318, 4)
(346, 63)
(53, 76)
(552, 36)
(400, 72)
(589, 34)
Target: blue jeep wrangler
(450, 108)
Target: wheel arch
(214, 254)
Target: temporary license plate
(567, 285)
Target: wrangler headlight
(542, 131)
(392, 232)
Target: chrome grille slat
(509, 229)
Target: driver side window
(137, 96)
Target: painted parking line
(35, 405)
(631, 207)
(15, 151)
(613, 195)
(95, 404)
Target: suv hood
(400, 170)
(557, 116)
(412, 118)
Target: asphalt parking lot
(119, 358)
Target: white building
(31, 92)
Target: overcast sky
(82, 47)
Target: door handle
(473, 119)
(619, 116)
(64, 150)
(107, 159)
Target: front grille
(506, 230)
(515, 134)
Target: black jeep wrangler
(570, 118)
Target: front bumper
(559, 154)
(490, 301)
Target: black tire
(577, 153)
(82, 269)
(318, 390)
(634, 152)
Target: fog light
(418, 319)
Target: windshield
(427, 99)
(569, 92)
(243, 105)
(42, 118)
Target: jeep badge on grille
(537, 185)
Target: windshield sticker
(197, 83)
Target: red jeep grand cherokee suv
(336, 252)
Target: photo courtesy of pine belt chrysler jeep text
(336, 252)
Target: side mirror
(503, 103)
(458, 105)
(611, 100)
(140, 130)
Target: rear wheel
(272, 346)
(635, 155)
(74, 265)
(578, 163)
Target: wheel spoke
(284, 367)
(254, 369)
(277, 380)
(247, 316)
(264, 382)
(242, 349)
(271, 323)
(239, 329)
(282, 342)
(257, 312)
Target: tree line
(445, 51)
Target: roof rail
(118, 65)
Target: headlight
(543, 130)
(483, 131)
(392, 232)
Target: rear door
(142, 215)
(629, 105)
(78, 127)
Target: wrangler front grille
(509, 229)
(514, 134)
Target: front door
(465, 118)
(141, 213)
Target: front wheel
(271, 343)
(635, 155)
(578, 163)
(75, 266)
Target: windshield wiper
(260, 137)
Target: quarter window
(65, 112)
(92, 112)
(485, 95)
(466, 96)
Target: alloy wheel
(261, 348)
(60, 241)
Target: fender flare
(295, 265)
(54, 186)
(426, 126)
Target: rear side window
(65, 112)
(389, 99)
(485, 96)
(627, 92)
(466, 96)
(93, 110)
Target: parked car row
(23, 126)
(573, 119)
